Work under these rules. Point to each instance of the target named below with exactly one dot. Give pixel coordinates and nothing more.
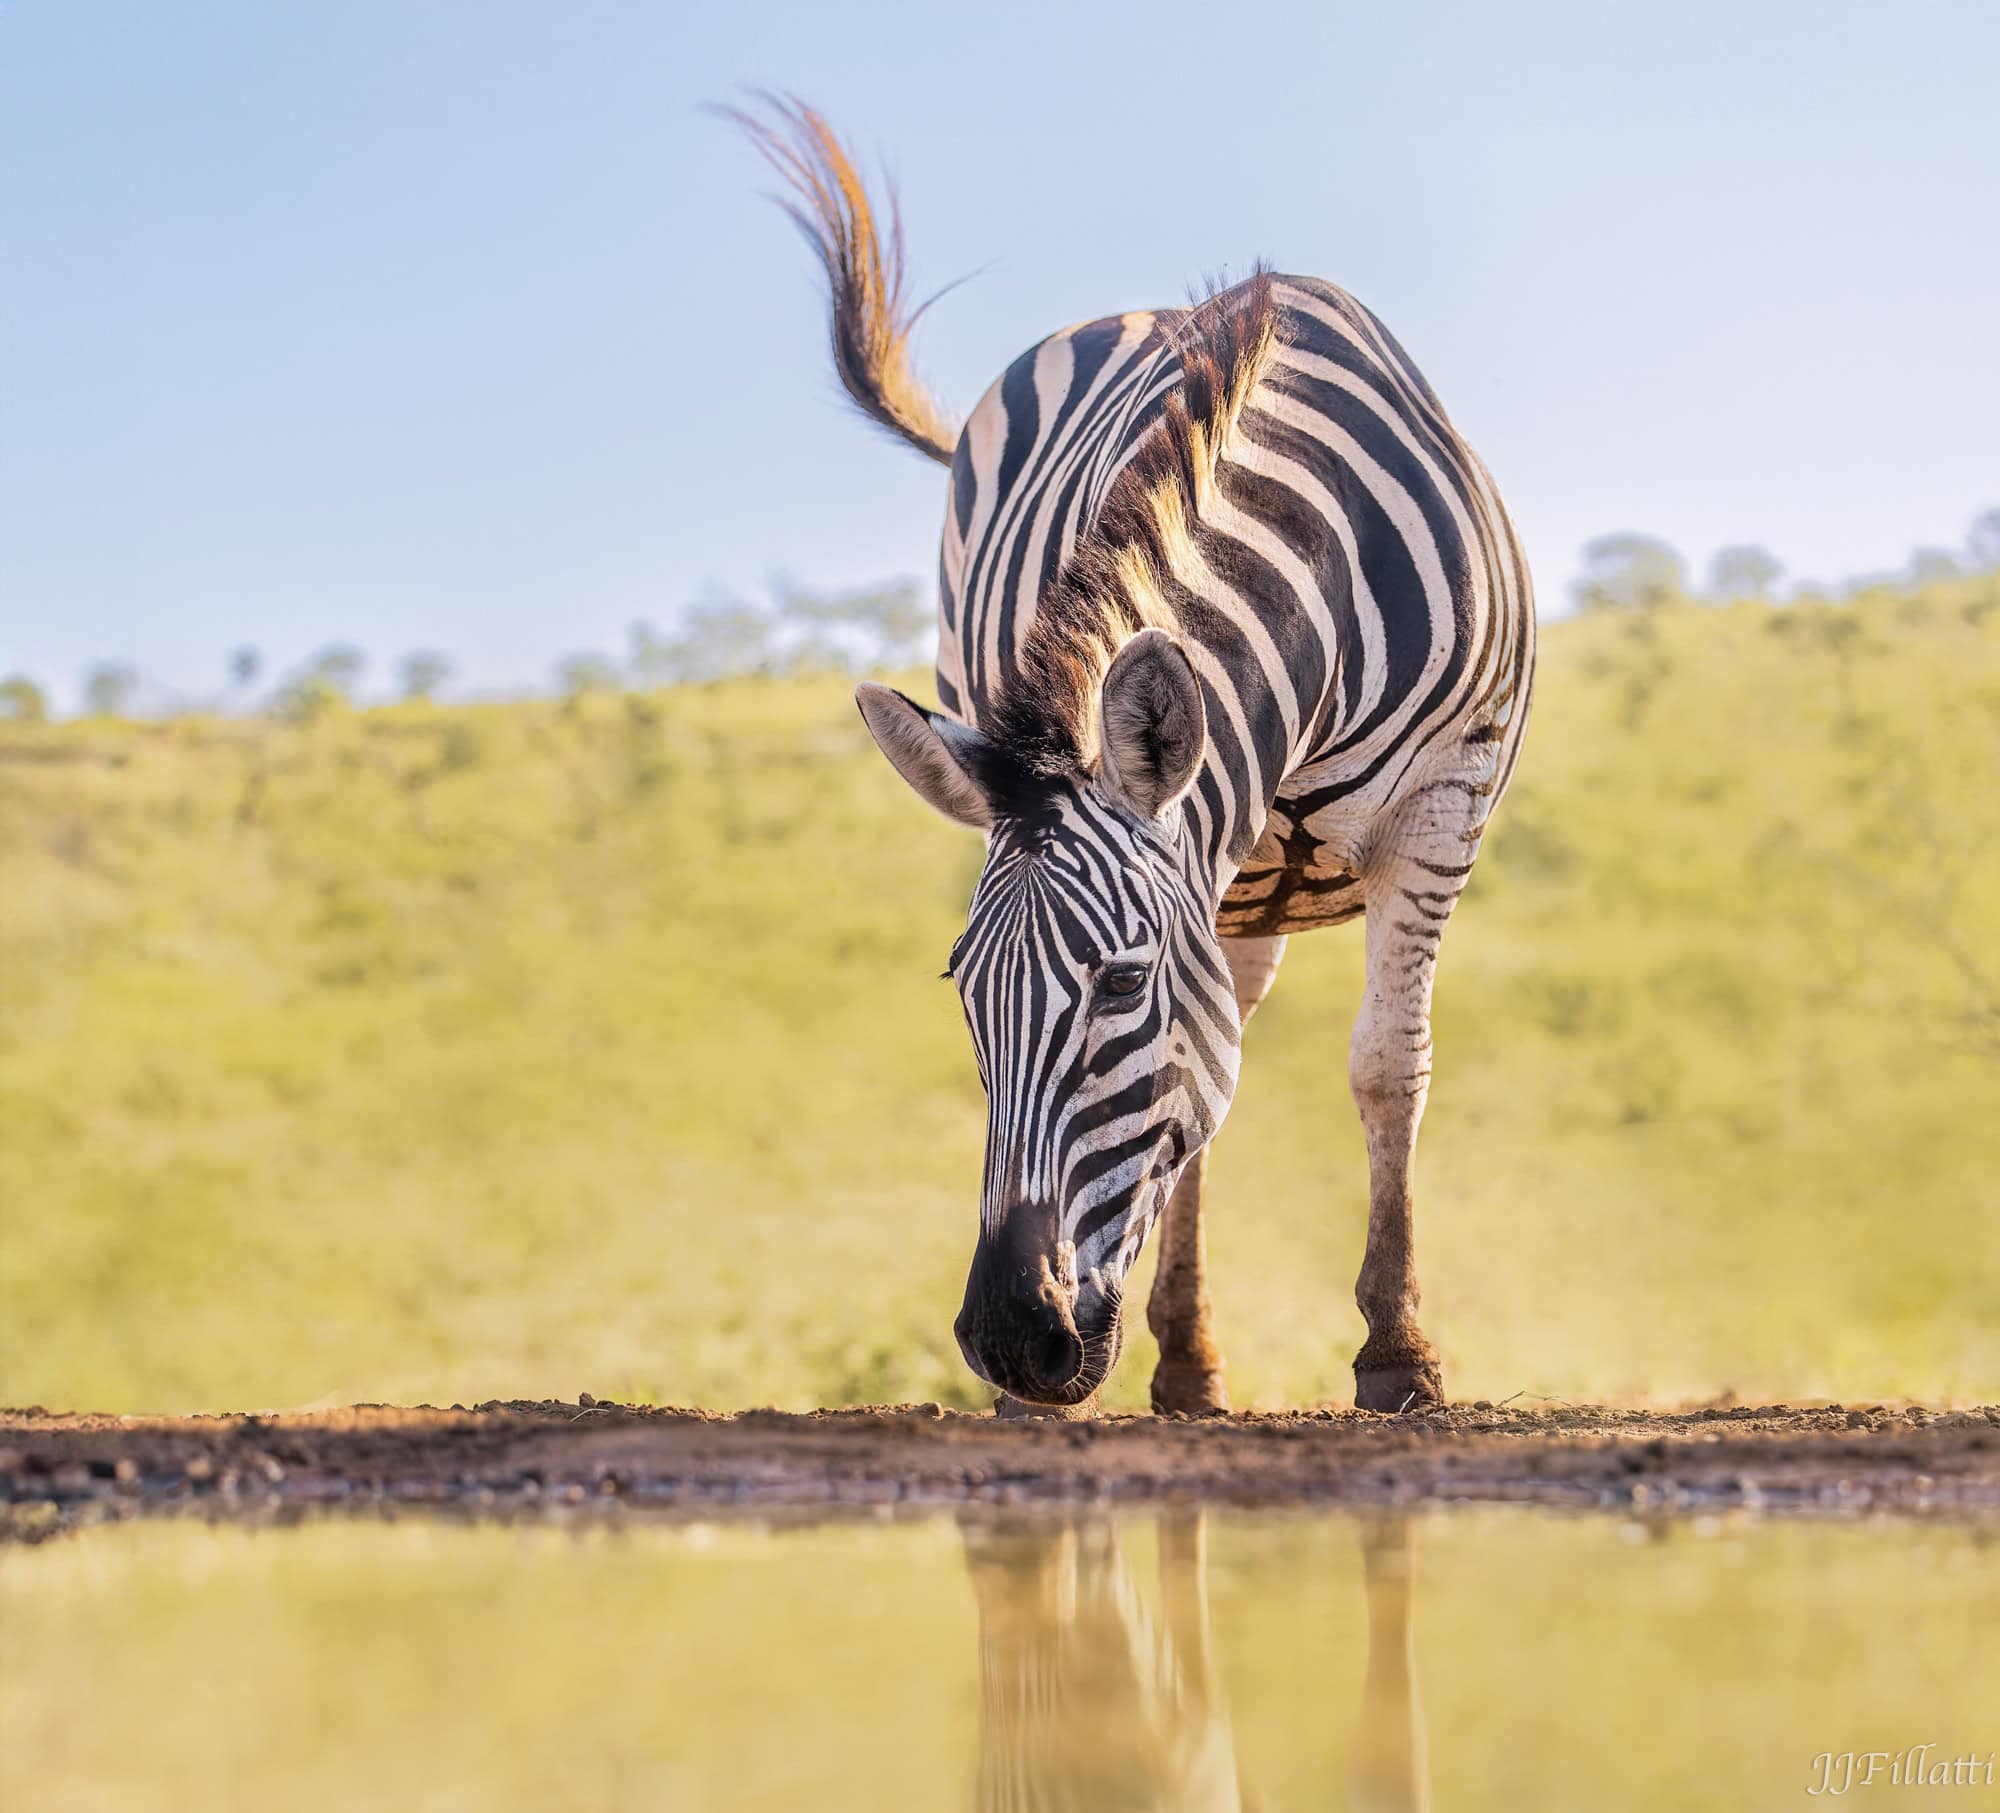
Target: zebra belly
(1261, 903)
(1306, 868)
(1300, 875)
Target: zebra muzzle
(1017, 1329)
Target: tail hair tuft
(870, 316)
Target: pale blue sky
(456, 323)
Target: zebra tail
(870, 316)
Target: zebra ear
(929, 751)
(1151, 724)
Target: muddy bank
(522, 1457)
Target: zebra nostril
(1055, 1357)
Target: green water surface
(1463, 1659)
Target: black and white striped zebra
(1235, 640)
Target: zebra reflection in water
(1094, 1695)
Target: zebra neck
(1226, 810)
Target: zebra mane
(1115, 582)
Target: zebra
(1235, 640)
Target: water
(1466, 1659)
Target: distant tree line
(721, 637)
(1627, 572)
(724, 636)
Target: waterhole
(1472, 1658)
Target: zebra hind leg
(1188, 1377)
(1411, 890)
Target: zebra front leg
(1189, 1374)
(1409, 899)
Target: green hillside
(445, 1053)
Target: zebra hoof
(1413, 1387)
(1015, 1410)
(1189, 1388)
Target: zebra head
(1099, 1002)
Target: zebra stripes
(1031, 470)
(1090, 1091)
(1235, 640)
(1354, 594)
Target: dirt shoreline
(515, 1458)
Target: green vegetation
(445, 1053)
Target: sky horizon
(467, 327)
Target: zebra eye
(1122, 980)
